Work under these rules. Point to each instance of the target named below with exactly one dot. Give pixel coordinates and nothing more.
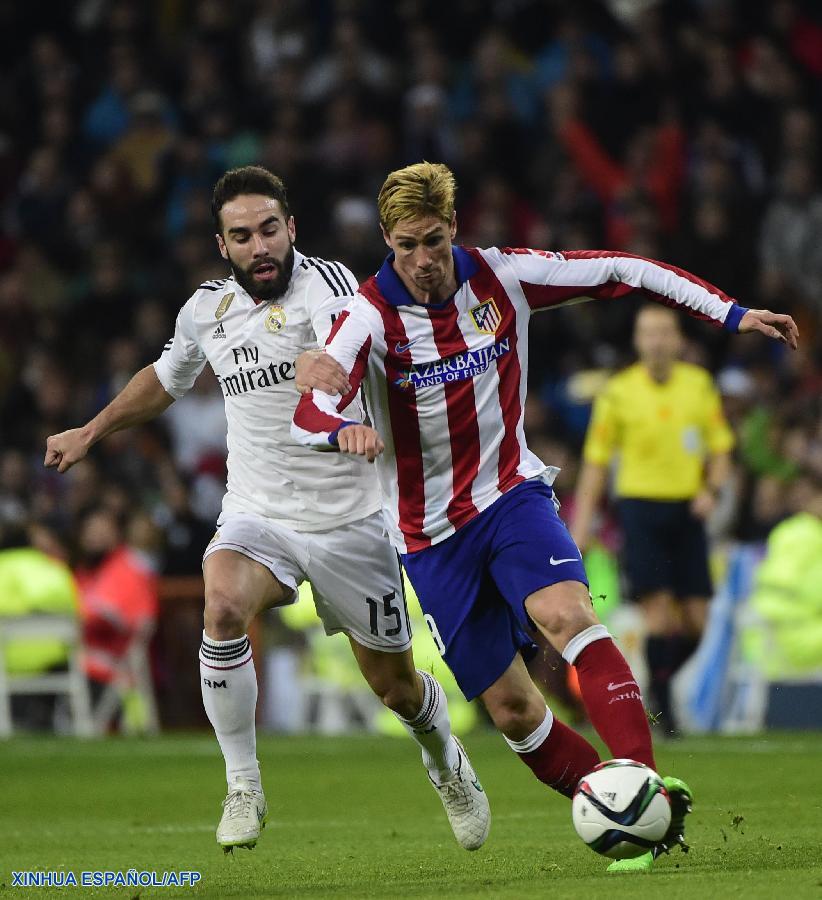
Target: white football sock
(537, 737)
(431, 729)
(229, 685)
(580, 641)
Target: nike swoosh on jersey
(401, 348)
(559, 562)
(614, 687)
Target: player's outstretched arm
(772, 325)
(551, 279)
(141, 399)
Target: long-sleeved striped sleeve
(317, 418)
(549, 279)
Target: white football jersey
(252, 348)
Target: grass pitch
(354, 817)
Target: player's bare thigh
(236, 590)
(561, 611)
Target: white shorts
(353, 571)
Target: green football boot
(682, 800)
(639, 865)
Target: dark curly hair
(247, 180)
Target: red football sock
(561, 759)
(613, 701)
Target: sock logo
(214, 684)
(425, 730)
(614, 687)
(628, 695)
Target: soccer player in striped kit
(438, 338)
(288, 515)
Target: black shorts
(664, 548)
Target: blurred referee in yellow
(661, 420)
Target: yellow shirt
(661, 432)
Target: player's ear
(385, 235)
(221, 246)
(453, 227)
(291, 225)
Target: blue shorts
(472, 586)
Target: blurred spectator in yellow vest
(33, 583)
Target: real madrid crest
(486, 317)
(275, 319)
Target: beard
(272, 288)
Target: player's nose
(258, 245)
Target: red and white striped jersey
(446, 383)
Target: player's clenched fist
(65, 449)
(360, 440)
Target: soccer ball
(621, 809)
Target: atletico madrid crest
(486, 316)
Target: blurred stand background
(686, 131)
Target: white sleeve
(182, 359)
(327, 295)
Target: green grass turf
(355, 817)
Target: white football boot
(466, 804)
(244, 815)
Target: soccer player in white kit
(288, 514)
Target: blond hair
(424, 189)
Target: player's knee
(561, 618)
(225, 617)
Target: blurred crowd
(686, 131)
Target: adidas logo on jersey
(219, 332)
